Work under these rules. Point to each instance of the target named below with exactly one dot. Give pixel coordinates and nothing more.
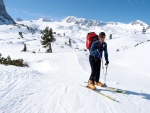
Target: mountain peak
(4, 16)
(44, 19)
(139, 22)
(82, 21)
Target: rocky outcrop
(140, 23)
(82, 21)
(4, 16)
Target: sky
(124, 11)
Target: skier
(96, 52)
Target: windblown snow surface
(51, 82)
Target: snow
(51, 82)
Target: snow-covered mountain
(93, 23)
(51, 82)
(148, 27)
(140, 23)
(45, 20)
(82, 21)
(4, 16)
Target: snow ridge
(92, 23)
(139, 22)
(82, 21)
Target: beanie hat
(102, 33)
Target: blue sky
(101, 10)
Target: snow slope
(51, 82)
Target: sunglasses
(102, 36)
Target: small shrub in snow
(143, 30)
(18, 26)
(62, 46)
(58, 34)
(138, 44)
(20, 33)
(25, 48)
(70, 42)
(85, 49)
(33, 52)
(65, 43)
(117, 50)
(110, 36)
(9, 61)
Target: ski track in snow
(28, 91)
(51, 84)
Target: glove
(107, 62)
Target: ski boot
(98, 83)
(91, 85)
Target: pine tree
(144, 30)
(20, 33)
(47, 39)
(110, 36)
(25, 48)
(69, 42)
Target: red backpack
(91, 37)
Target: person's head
(102, 36)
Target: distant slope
(51, 82)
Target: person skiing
(96, 52)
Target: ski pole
(102, 65)
(105, 76)
(104, 85)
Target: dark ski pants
(95, 64)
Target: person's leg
(97, 70)
(93, 68)
(97, 74)
(92, 76)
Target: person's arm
(94, 51)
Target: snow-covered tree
(20, 33)
(25, 48)
(70, 42)
(47, 39)
(110, 36)
(144, 30)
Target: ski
(109, 97)
(113, 89)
